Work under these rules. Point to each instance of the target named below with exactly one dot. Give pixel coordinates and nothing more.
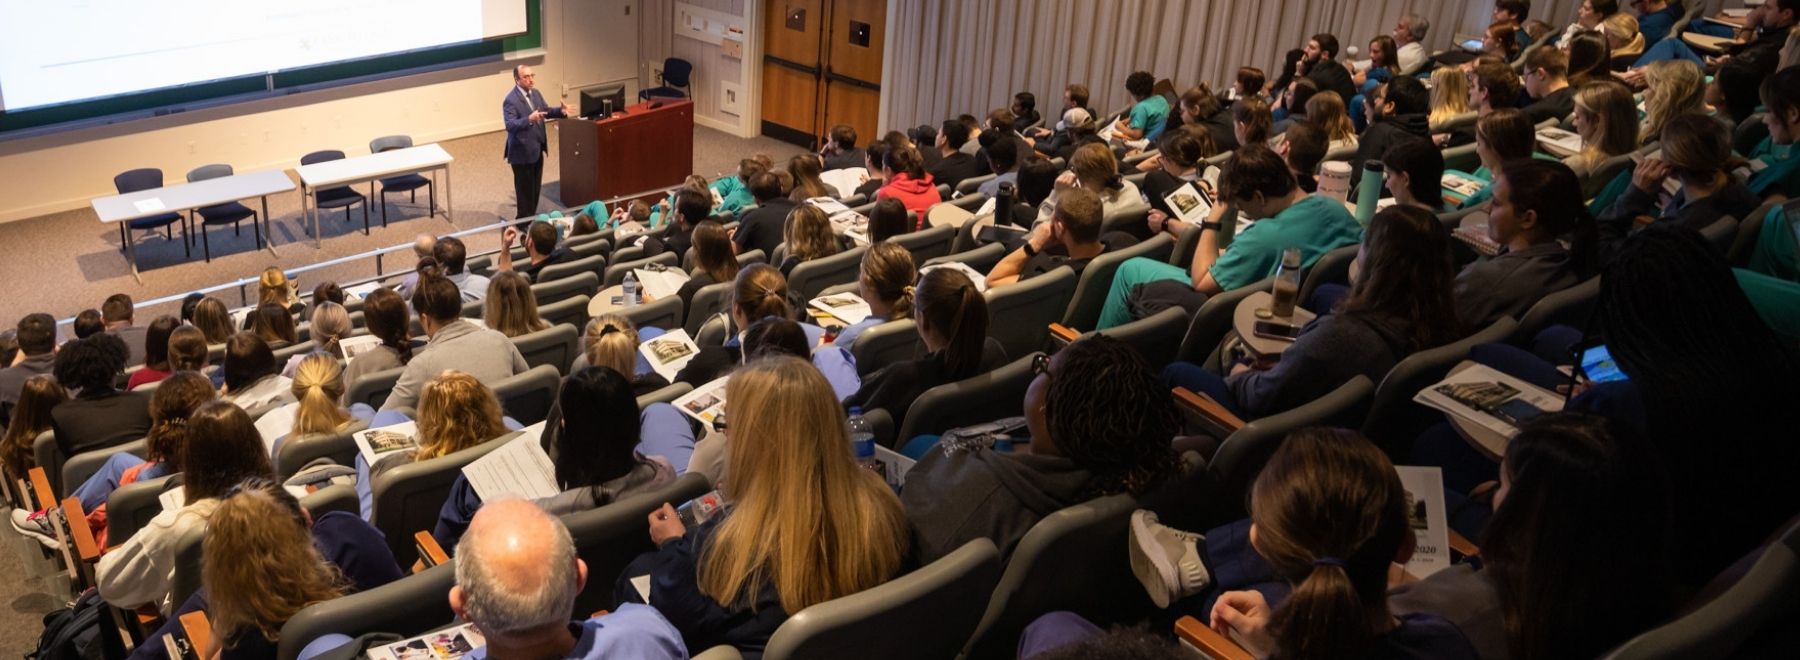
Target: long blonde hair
(612, 341)
(808, 234)
(275, 288)
(1674, 88)
(1614, 129)
(211, 317)
(259, 566)
(456, 412)
(512, 306)
(1449, 94)
(1327, 108)
(319, 387)
(330, 325)
(808, 520)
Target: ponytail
(1554, 191)
(1324, 616)
(612, 342)
(947, 303)
(761, 291)
(319, 385)
(888, 269)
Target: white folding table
(363, 169)
(188, 196)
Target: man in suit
(524, 111)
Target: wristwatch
(1029, 251)
(1214, 226)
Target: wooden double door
(821, 68)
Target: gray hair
(493, 603)
(1417, 26)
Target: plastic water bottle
(1287, 283)
(862, 441)
(631, 289)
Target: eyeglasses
(1040, 365)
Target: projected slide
(62, 51)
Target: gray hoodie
(954, 499)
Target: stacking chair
(1023, 311)
(554, 346)
(811, 277)
(342, 197)
(984, 398)
(232, 213)
(1073, 560)
(408, 606)
(1394, 418)
(674, 79)
(572, 311)
(406, 183)
(148, 178)
(550, 291)
(527, 397)
(928, 613)
(408, 497)
(1765, 600)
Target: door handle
(834, 76)
(790, 64)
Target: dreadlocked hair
(1107, 411)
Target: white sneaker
(1166, 560)
(36, 524)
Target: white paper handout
(852, 224)
(847, 307)
(1429, 520)
(894, 466)
(520, 468)
(376, 444)
(149, 205)
(845, 180)
(276, 423)
(361, 291)
(830, 205)
(1490, 398)
(660, 283)
(358, 345)
(1559, 142)
(173, 498)
(1190, 203)
(976, 277)
(447, 644)
(1463, 185)
(669, 352)
(704, 403)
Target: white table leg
(448, 202)
(268, 237)
(131, 253)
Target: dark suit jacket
(526, 142)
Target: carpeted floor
(66, 262)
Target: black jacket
(1384, 134)
(1331, 76)
(895, 387)
(761, 229)
(952, 169)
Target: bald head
(423, 244)
(516, 570)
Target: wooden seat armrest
(1063, 335)
(1463, 545)
(430, 554)
(1208, 641)
(198, 631)
(40, 488)
(1214, 412)
(85, 548)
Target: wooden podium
(637, 149)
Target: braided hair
(1107, 411)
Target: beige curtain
(949, 57)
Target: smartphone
(1516, 411)
(1273, 330)
(1597, 364)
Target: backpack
(77, 632)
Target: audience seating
(970, 184)
(1749, 133)
(147, 178)
(885, 344)
(927, 243)
(664, 313)
(283, 354)
(406, 183)
(45, 453)
(1747, 620)
(408, 497)
(554, 346)
(1748, 232)
(1096, 279)
(810, 277)
(1593, 181)
(1157, 337)
(527, 397)
(615, 274)
(708, 302)
(928, 613)
(373, 388)
(570, 311)
(1240, 457)
(1212, 324)
(610, 536)
(132, 505)
(552, 291)
(1124, 219)
(337, 197)
(299, 450)
(714, 330)
(997, 394)
(1185, 246)
(553, 272)
(1394, 419)
(1721, 234)
(1573, 307)
(628, 252)
(982, 259)
(1072, 560)
(1462, 158)
(588, 248)
(79, 467)
(232, 213)
(1022, 312)
(408, 606)
(664, 395)
(1331, 268)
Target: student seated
(37, 396)
(761, 228)
(885, 282)
(1149, 110)
(840, 151)
(511, 308)
(1415, 175)
(1303, 147)
(907, 181)
(213, 320)
(808, 236)
(1549, 581)
(605, 450)
(1004, 158)
(1329, 516)
(156, 353)
(99, 415)
(1676, 88)
(1094, 168)
(330, 326)
(1256, 182)
(1327, 110)
(611, 341)
(1547, 243)
(1099, 424)
(1696, 152)
(1397, 113)
(1449, 95)
(1400, 304)
(1024, 110)
(1501, 137)
(888, 219)
(807, 184)
(541, 249)
(1606, 119)
(734, 191)
(1201, 108)
(760, 291)
(1768, 26)
(713, 260)
(171, 406)
(275, 288)
(954, 165)
(1780, 94)
(318, 388)
(952, 320)
(253, 380)
(389, 319)
(1546, 80)
(872, 157)
(273, 325)
(222, 448)
(1179, 160)
(1071, 238)
(260, 569)
(1251, 121)
(457, 412)
(453, 343)
(806, 523)
(36, 357)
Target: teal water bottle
(1368, 192)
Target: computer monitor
(594, 100)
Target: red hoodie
(917, 194)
